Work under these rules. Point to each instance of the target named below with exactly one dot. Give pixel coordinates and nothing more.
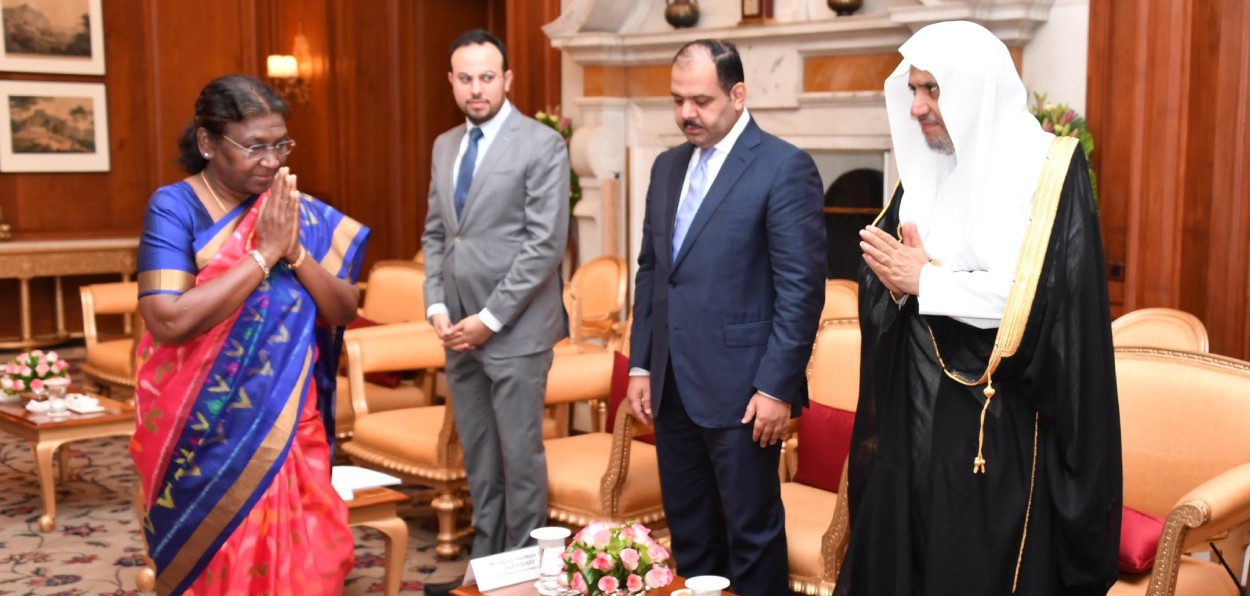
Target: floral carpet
(97, 547)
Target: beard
(941, 144)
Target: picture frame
(52, 36)
(53, 127)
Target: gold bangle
(298, 261)
(260, 260)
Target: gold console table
(28, 259)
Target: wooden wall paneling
(1107, 61)
(1228, 297)
(420, 76)
(1167, 104)
(1135, 114)
(311, 124)
(1154, 241)
(535, 64)
(364, 67)
(194, 43)
(1193, 222)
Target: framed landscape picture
(52, 36)
(53, 127)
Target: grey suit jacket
(504, 252)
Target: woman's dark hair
(232, 98)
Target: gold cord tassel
(978, 462)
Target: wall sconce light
(290, 74)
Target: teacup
(57, 406)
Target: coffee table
(527, 589)
(375, 508)
(46, 435)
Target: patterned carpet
(96, 547)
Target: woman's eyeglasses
(256, 152)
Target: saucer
(85, 408)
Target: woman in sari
(244, 286)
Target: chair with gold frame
(110, 364)
(817, 521)
(394, 294)
(1187, 460)
(601, 284)
(418, 444)
(1165, 328)
(600, 476)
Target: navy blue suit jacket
(738, 310)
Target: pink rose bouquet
(30, 369)
(610, 558)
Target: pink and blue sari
(231, 442)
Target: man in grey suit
(494, 237)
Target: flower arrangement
(1063, 121)
(30, 369)
(610, 558)
(551, 117)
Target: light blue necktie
(465, 178)
(694, 197)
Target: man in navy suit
(727, 301)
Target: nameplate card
(503, 569)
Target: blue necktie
(465, 178)
(694, 197)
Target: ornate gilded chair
(1186, 459)
(1166, 328)
(604, 476)
(418, 444)
(841, 300)
(394, 294)
(817, 520)
(601, 284)
(110, 364)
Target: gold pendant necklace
(212, 192)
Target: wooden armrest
(624, 430)
(1204, 513)
(1221, 504)
(838, 536)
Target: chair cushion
(1139, 539)
(809, 512)
(575, 466)
(824, 442)
(389, 379)
(111, 357)
(409, 434)
(1195, 577)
